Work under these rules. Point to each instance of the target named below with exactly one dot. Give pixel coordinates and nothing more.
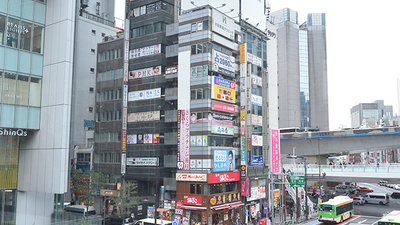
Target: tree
(125, 201)
(87, 184)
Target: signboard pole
(157, 197)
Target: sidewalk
(311, 218)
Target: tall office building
(302, 70)
(42, 71)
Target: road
(369, 214)
(377, 210)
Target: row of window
(150, 8)
(108, 157)
(113, 136)
(207, 47)
(209, 189)
(111, 54)
(200, 93)
(199, 26)
(110, 75)
(108, 116)
(199, 71)
(21, 34)
(20, 89)
(148, 29)
(109, 95)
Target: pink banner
(185, 139)
(223, 177)
(223, 107)
(275, 151)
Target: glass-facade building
(304, 80)
(22, 25)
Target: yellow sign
(242, 53)
(242, 114)
(223, 90)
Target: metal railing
(384, 168)
(98, 19)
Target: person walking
(291, 213)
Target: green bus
(393, 218)
(335, 210)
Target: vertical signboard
(184, 139)
(275, 151)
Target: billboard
(256, 140)
(145, 51)
(223, 177)
(275, 151)
(184, 139)
(222, 129)
(192, 200)
(143, 116)
(171, 70)
(223, 90)
(146, 72)
(144, 94)
(254, 60)
(256, 100)
(224, 160)
(213, 118)
(223, 63)
(223, 25)
(223, 107)
(191, 177)
(141, 161)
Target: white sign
(125, 97)
(223, 63)
(256, 100)
(141, 161)
(191, 177)
(144, 94)
(143, 116)
(145, 51)
(256, 80)
(223, 25)
(146, 72)
(256, 140)
(254, 59)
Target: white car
(397, 186)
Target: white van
(377, 198)
(150, 221)
(81, 209)
(343, 188)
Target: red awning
(194, 208)
(236, 204)
(225, 206)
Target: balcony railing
(98, 19)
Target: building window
(93, 32)
(92, 70)
(38, 39)
(90, 109)
(91, 89)
(93, 51)
(103, 34)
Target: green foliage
(87, 184)
(125, 202)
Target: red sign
(223, 107)
(243, 188)
(179, 204)
(224, 177)
(171, 70)
(192, 200)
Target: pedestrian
(291, 213)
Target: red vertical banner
(275, 151)
(243, 188)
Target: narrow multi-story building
(302, 70)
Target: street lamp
(305, 185)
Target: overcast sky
(363, 51)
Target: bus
(335, 210)
(393, 218)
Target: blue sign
(265, 204)
(174, 223)
(265, 211)
(224, 160)
(257, 161)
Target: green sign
(297, 179)
(221, 129)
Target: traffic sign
(297, 179)
(265, 211)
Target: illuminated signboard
(145, 51)
(144, 94)
(224, 160)
(146, 72)
(223, 177)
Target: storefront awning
(194, 208)
(225, 206)
(236, 204)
